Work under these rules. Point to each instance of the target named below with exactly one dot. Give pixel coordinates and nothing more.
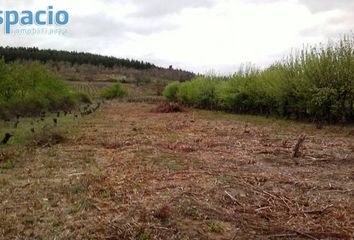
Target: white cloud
(158, 8)
(328, 5)
(199, 35)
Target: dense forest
(21, 53)
(313, 84)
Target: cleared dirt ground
(132, 173)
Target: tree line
(11, 54)
(315, 84)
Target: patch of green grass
(8, 164)
(77, 189)
(56, 222)
(225, 179)
(192, 211)
(74, 210)
(23, 135)
(169, 161)
(256, 119)
(105, 193)
(279, 125)
(138, 185)
(84, 204)
(263, 225)
(174, 166)
(4, 182)
(177, 237)
(30, 220)
(170, 156)
(215, 227)
(95, 170)
(174, 137)
(144, 234)
(51, 164)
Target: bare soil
(133, 173)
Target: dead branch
(233, 198)
(75, 174)
(318, 211)
(298, 145)
(305, 235)
(283, 235)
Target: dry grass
(47, 138)
(138, 174)
(168, 107)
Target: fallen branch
(296, 233)
(75, 174)
(283, 235)
(262, 208)
(306, 235)
(233, 198)
(297, 147)
(318, 211)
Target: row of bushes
(28, 89)
(315, 83)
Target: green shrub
(171, 90)
(215, 227)
(83, 97)
(200, 92)
(115, 91)
(28, 89)
(315, 83)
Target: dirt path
(135, 174)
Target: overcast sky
(197, 35)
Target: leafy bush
(170, 91)
(27, 89)
(200, 92)
(315, 83)
(84, 97)
(115, 91)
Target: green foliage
(12, 54)
(83, 205)
(8, 164)
(170, 91)
(144, 234)
(30, 89)
(215, 227)
(315, 83)
(84, 97)
(115, 91)
(200, 92)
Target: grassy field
(127, 172)
(91, 89)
